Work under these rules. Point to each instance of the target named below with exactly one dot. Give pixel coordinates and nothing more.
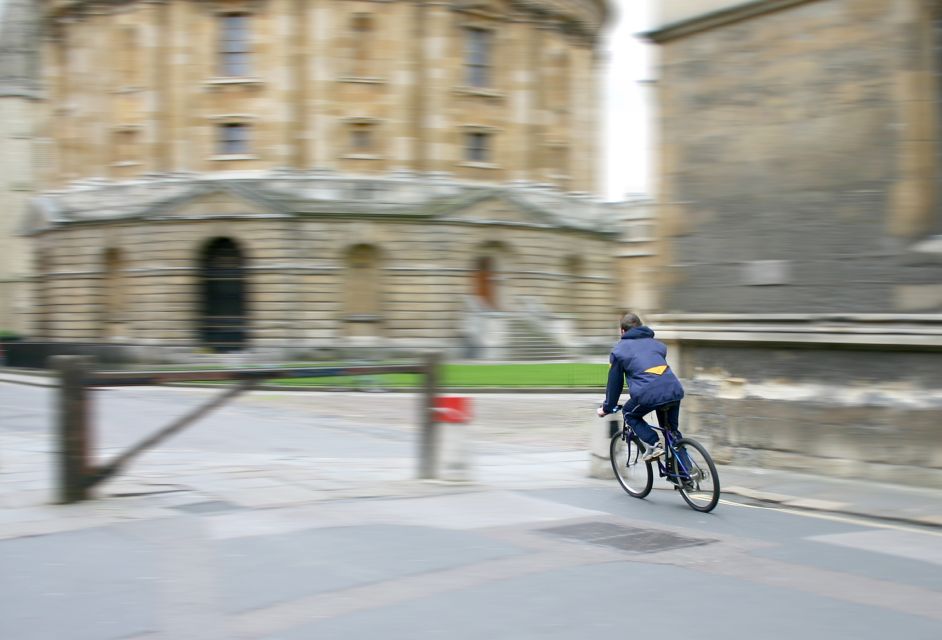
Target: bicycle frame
(670, 452)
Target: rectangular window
(125, 145)
(233, 139)
(362, 27)
(234, 45)
(361, 138)
(477, 147)
(477, 57)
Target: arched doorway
(223, 310)
(485, 285)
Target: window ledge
(224, 80)
(482, 92)
(479, 165)
(233, 156)
(125, 89)
(126, 163)
(362, 79)
(362, 156)
(363, 318)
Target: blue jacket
(641, 359)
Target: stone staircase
(526, 341)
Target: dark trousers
(668, 416)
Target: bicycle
(685, 463)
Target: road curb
(831, 507)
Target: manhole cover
(211, 506)
(623, 538)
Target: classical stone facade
(491, 90)
(317, 259)
(303, 174)
(800, 261)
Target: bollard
(454, 412)
(74, 447)
(428, 438)
(600, 439)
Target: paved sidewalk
(534, 459)
(298, 516)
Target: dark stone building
(801, 261)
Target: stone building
(252, 174)
(799, 220)
(19, 97)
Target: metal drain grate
(623, 538)
(211, 506)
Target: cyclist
(641, 359)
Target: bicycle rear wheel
(634, 475)
(698, 482)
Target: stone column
(520, 90)
(322, 78)
(297, 131)
(436, 127)
(913, 197)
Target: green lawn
(556, 374)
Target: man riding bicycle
(642, 360)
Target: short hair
(630, 321)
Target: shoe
(652, 451)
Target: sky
(625, 132)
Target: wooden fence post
(73, 428)
(429, 438)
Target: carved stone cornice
(586, 15)
(714, 19)
(584, 18)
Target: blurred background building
(251, 175)
(20, 93)
(800, 274)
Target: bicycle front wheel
(634, 475)
(696, 475)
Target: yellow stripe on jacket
(658, 370)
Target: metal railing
(77, 471)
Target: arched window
(223, 320)
(363, 291)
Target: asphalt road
(295, 517)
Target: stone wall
(799, 255)
(19, 121)
(16, 187)
(848, 396)
(799, 160)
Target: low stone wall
(884, 443)
(852, 399)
